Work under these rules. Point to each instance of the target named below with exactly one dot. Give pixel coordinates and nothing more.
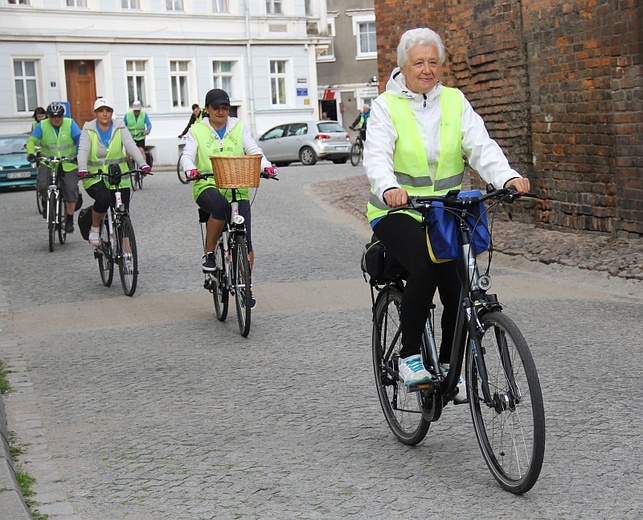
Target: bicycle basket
(236, 172)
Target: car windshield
(12, 144)
(330, 126)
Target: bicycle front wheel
(219, 287)
(242, 283)
(51, 220)
(356, 154)
(104, 255)
(128, 255)
(510, 429)
(402, 408)
(180, 173)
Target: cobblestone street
(148, 407)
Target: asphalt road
(148, 407)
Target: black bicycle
(55, 212)
(117, 238)
(501, 380)
(357, 150)
(233, 273)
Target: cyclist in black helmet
(57, 136)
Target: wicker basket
(236, 172)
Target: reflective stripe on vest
(136, 125)
(207, 146)
(410, 163)
(61, 145)
(115, 155)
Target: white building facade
(165, 53)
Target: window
(174, 5)
(179, 80)
(130, 4)
(364, 31)
(273, 6)
(278, 82)
(366, 42)
(18, 2)
(274, 133)
(329, 53)
(222, 76)
(26, 85)
(308, 7)
(76, 3)
(220, 6)
(136, 81)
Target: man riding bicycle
(139, 125)
(219, 134)
(361, 122)
(57, 136)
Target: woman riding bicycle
(101, 145)
(218, 134)
(417, 133)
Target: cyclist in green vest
(417, 134)
(57, 136)
(38, 115)
(101, 145)
(219, 134)
(139, 125)
(361, 122)
(196, 117)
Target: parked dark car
(15, 169)
(306, 141)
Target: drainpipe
(249, 80)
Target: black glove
(31, 157)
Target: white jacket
(483, 153)
(250, 146)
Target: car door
(271, 143)
(295, 140)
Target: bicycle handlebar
(54, 160)
(450, 200)
(202, 176)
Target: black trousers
(213, 203)
(405, 239)
(103, 196)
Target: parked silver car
(306, 141)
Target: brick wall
(558, 85)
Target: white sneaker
(461, 396)
(94, 236)
(412, 371)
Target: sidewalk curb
(12, 504)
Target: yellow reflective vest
(410, 163)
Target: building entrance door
(81, 89)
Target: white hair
(421, 36)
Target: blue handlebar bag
(443, 230)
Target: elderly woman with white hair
(417, 134)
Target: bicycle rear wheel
(356, 154)
(242, 284)
(511, 432)
(104, 255)
(51, 220)
(127, 255)
(62, 220)
(402, 408)
(39, 202)
(220, 293)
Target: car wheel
(307, 156)
(340, 161)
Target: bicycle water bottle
(119, 201)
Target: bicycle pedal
(420, 387)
